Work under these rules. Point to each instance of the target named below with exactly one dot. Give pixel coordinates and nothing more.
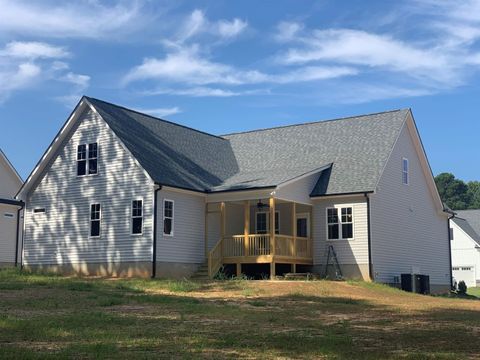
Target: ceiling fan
(261, 205)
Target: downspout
(450, 250)
(154, 250)
(369, 232)
(17, 234)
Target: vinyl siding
(187, 245)
(408, 233)
(299, 190)
(8, 231)
(61, 235)
(9, 182)
(464, 250)
(354, 251)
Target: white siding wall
(187, 245)
(61, 235)
(407, 230)
(353, 251)
(299, 190)
(9, 182)
(464, 252)
(8, 231)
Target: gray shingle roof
(357, 147)
(472, 218)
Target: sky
(227, 66)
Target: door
(262, 222)
(303, 225)
(465, 273)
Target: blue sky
(224, 66)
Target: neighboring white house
(119, 192)
(465, 228)
(10, 211)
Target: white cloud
(161, 111)
(91, 19)
(287, 30)
(203, 91)
(33, 50)
(188, 67)
(197, 23)
(229, 29)
(26, 64)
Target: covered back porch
(263, 231)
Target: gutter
(450, 248)
(22, 205)
(342, 194)
(154, 251)
(369, 231)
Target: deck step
(201, 273)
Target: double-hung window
(168, 217)
(95, 218)
(87, 158)
(340, 223)
(137, 217)
(405, 171)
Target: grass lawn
(55, 317)
(474, 291)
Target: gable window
(87, 157)
(39, 211)
(137, 217)
(168, 217)
(340, 227)
(405, 171)
(95, 217)
(8, 215)
(262, 222)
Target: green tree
(474, 194)
(454, 192)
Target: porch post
(272, 237)
(222, 224)
(246, 226)
(294, 227)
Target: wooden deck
(260, 248)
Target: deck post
(246, 226)
(239, 270)
(272, 237)
(294, 229)
(222, 224)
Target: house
(119, 192)
(10, 212)
(465, 233)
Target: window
(405, 176)
(39, 211)
(137, 217)
(451, 234)
(87, 156)
(340, 227)
(95, 216)
(8, 215)
(262, 223)
(168, 217)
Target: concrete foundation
(349, 271)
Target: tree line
(457, 194)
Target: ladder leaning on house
(332, 255)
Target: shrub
(462, 288)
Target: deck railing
(257, 245)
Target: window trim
(165, 217)
(90, 221)
(405, 173)
(136, 217)
(267, 222)
(339, 215)
(87, 159)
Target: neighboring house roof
(472, 218)
(465, 226)
(354, 150)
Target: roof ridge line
(156, 118)
(314, 122)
